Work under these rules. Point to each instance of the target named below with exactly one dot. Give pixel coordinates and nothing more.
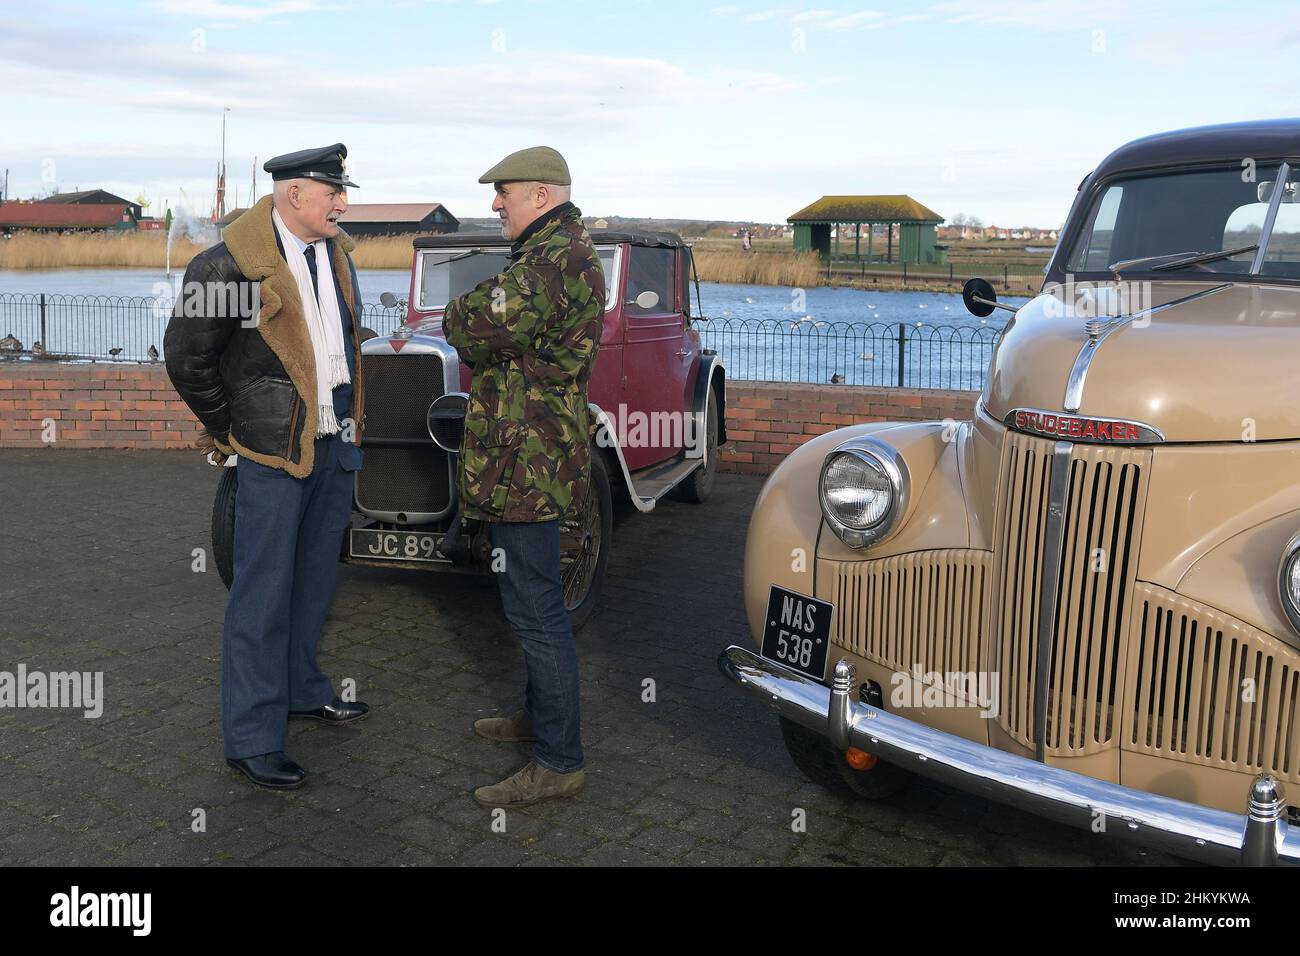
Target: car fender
(712, 374)
(604, 426)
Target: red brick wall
(109, 405)
(99, 405)
(768, 420)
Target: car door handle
(683, 353)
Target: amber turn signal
(859, 759)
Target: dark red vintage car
(657, 402)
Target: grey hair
(561, 193)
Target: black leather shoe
(338, 712)
(274, 770)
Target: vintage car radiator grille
(410, 478)
(924, 609)
(1100, 521)
(1208, 689)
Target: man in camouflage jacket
(530, 334)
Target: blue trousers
(288, 532)
(533, 599)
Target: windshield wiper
(1118, 267)
(1204, 257)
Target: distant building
(908, 228)
(67, 217)
(398, 219)
(95, 197)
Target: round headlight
(857, 491)
(863, 490)
(447, 420)
(1288, 581)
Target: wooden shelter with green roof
(814, 224)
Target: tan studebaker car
(1085, 601)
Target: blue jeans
(288, 534)
(533, 599)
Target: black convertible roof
(1260, 140)
(637, 237)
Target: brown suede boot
(510, 729)
(529, 785)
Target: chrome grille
(924, 609)
(1205, 688)
(1101, 520)
(1021, 525)
(412, 475)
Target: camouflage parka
(530, 334)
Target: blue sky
(668, 109)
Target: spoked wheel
(223, 525)
(584, 545)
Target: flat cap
(537, 164)
(324, 163)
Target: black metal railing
(122, 328)
(852, 353)
(916, 355)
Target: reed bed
(149, 251)
(27, 250)
(801, 270)
(384, 252)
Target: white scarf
(323, 322)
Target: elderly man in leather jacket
(278, 383)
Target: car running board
(650, 484)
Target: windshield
(448, 273)
(1163, 219)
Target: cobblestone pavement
(96, 575)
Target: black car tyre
(584, 545)
(817, 760)
(223, 525)
(697, 486)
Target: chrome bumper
(1260, 837)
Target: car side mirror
(646, 301)
(388, 300)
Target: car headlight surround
(863, 490)
(1288, 581)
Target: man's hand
(208, 446)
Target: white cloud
(534, 88)
(862, 18)
(239, 12)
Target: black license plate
(375, 545)
(797, 631)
